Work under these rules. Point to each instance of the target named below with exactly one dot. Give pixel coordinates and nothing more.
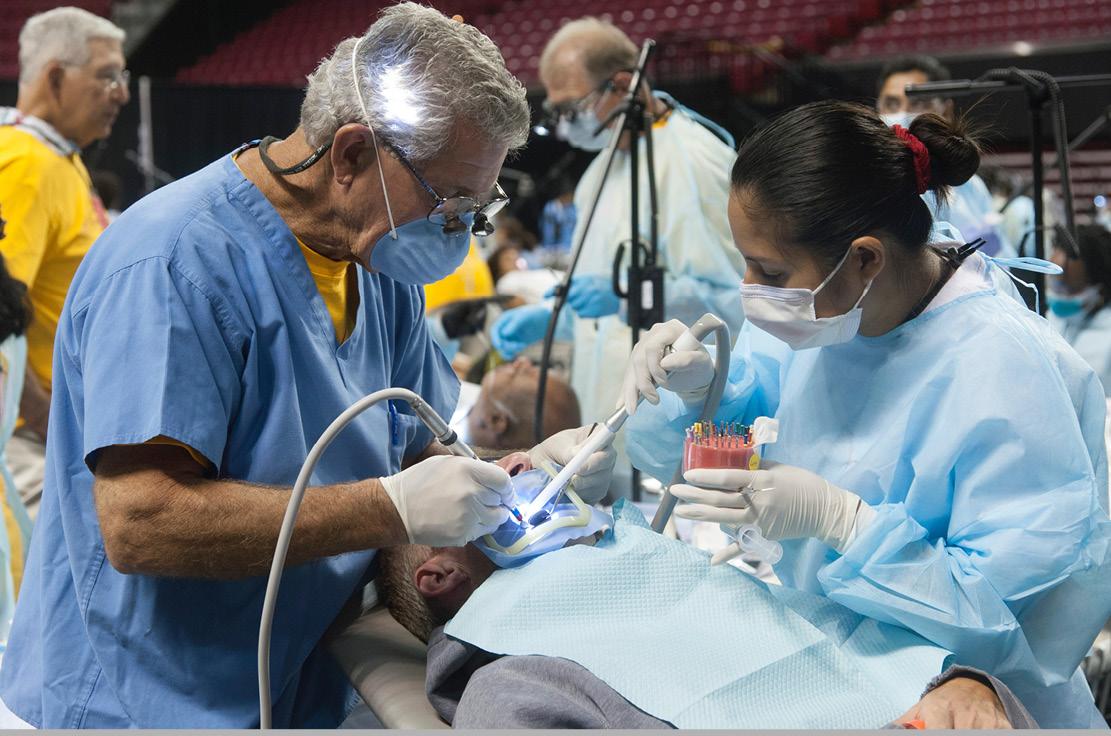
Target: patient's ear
(444, 582)
(499, 423)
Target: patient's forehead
(521, 374)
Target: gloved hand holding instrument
(781, 501)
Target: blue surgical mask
(420, 252)
(1070, 305)
(580, 132)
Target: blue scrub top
(195, 316)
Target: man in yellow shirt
(72, 84)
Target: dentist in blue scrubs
(197, 361)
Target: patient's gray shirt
(471, 688)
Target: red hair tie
(921, 157)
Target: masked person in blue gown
(1078, 299)
(940, 460)
(208, 339)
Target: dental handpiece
(444, 434)
(450, 439)
(601, 437)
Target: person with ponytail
(940, 463)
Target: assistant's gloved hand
(785, 502)
(652, 363)
(592, 297)
(593, 479)
(447, 501)
(463, 318)
(518, 328)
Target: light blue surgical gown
(1091, 337)
(13, 361)
(970, 209)
(976, 433)
(195, 316)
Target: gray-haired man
(72, 84)
(212, 335)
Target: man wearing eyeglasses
(72, 84)
(586, 70)
(213, 333)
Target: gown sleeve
(1017, 584)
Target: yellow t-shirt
(470, 281)
(333, 283)
(53, 217)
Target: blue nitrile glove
(592, 297)
(518, 328)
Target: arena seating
(285, 47)
(968, 26)
(694, 35)
(1090, 175)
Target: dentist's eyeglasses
(457, 213)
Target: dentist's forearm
(160, 516)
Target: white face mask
(789, 315)
(580, 132)
(891, 119)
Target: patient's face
(502, 417)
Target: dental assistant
(940, 459)
(208, 339)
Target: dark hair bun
(954, 152)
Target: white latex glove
(652, 363)
(593, 479)
(785, 502)
(447, 501)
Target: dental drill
(444, 434)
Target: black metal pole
(1038, 176)
(959, 87)
(633, 289)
